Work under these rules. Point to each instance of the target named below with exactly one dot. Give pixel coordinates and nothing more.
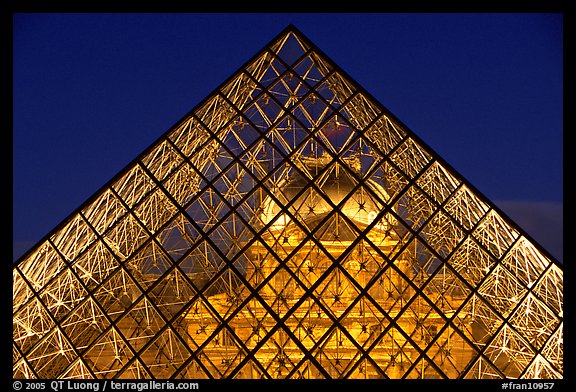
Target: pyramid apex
(291, 29)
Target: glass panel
(495, 234)
(162, 160)
(410, 158)
(73, 238)
(133, 186)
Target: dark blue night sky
(92, 91)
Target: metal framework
(288, 227)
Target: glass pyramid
(288, 227)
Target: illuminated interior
(288, 227)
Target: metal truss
(288, 227)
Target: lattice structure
(288, 227)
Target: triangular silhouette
(288, 227)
